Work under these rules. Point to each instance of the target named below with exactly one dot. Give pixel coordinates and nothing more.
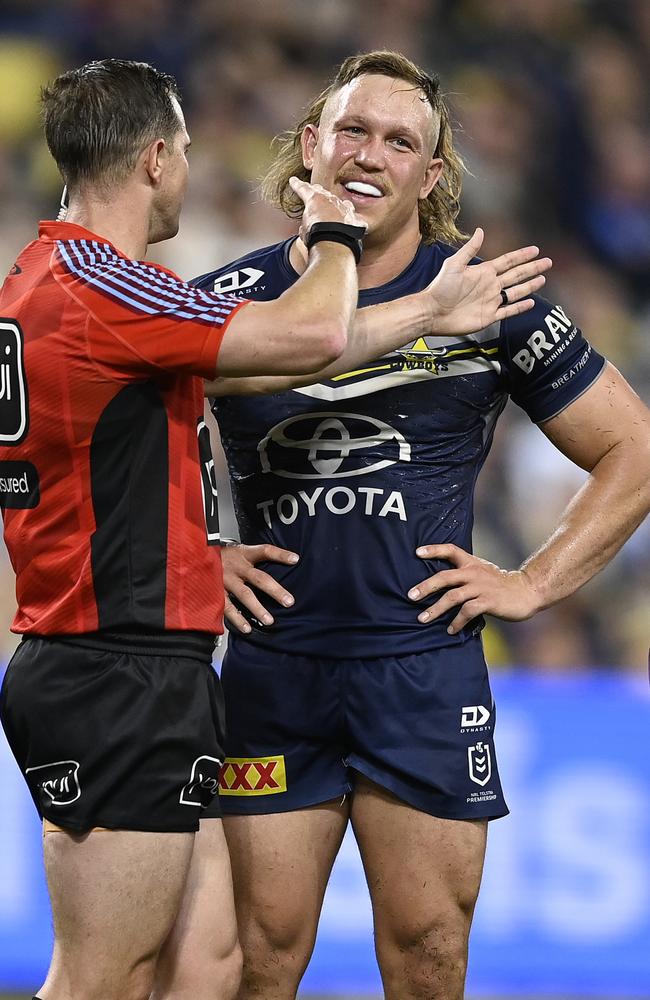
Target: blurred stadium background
(552, 97)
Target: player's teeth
(362, 188)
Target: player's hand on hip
(467, 297)
(474, 586)
(240, 575)
(323, 206)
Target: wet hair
(99, 117)
(439, 210)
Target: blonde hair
(438, 211)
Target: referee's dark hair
(99, 117)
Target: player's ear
(432, 175)
(153, 159)
(308, 143)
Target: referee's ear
(153, 159)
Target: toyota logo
(331, 445)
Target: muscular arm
(375, 331)
(463, 298)
(606, 432)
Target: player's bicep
(546, 361)
(607, 414)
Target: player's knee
(283, 935)
(431, 959)
(278, 950)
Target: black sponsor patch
(208, 484)
(14, 412)
(19, 486)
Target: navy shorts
(127, 739)
(299, 730)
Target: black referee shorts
(124, 738)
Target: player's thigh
(281, 864)
(423, 872)
(284, 739)
(114, 895)
(201, 956)
(422, 726)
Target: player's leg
(201, 958)
(114, 896)
(282, 792)
(424, 875)
(421, 729)
(281, 865)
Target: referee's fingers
(301, 188)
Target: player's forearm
(375, 330)
(380, 329)
(599, 519)
(303, 330)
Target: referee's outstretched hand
(323, 206)
(468, 296)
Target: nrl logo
(480, 763)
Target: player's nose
(370, 154)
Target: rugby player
(364, 697)
(110, 703)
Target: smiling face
(374, 146)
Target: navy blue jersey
(354, 473)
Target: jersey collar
(49, 229)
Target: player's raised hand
(468, 297)
(240, 575)
(323, 206)
(475, 586)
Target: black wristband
(337, 232)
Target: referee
(110, 704)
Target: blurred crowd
(550, 100)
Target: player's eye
(403, 143)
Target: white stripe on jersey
(140, 285)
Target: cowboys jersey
(355, 472)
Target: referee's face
(374, 146)
(166, 209)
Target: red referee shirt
(106, 479)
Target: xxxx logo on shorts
(253, 776)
